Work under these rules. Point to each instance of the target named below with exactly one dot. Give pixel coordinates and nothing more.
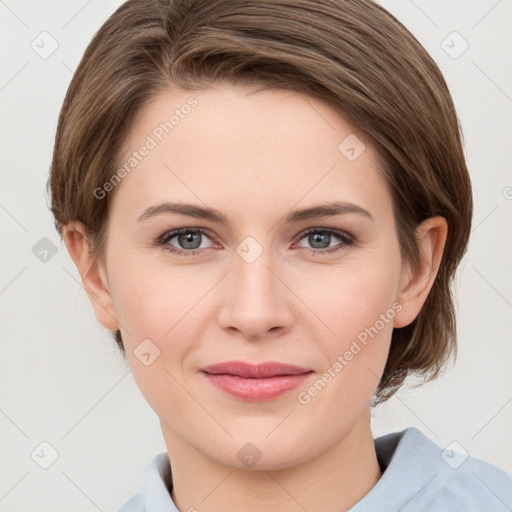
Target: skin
(256, 156)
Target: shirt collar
(393, 453)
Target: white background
(62, 379)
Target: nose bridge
(253, 282)
(256, 299)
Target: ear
(415, 285)
(93, 275)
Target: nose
(257, 303)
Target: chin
(262, 455)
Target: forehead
(239, 146)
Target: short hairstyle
(352, 54)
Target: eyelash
(346, 239)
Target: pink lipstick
(256, 382)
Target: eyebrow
(191, 210)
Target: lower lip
(257, 389)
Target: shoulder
(475, 485)
(450, 477)
(134, 504)
(154, 493)
(421, 476)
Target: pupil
(317, 238)
(187, 240)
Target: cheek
(153, 300)
(353, 300)
(358, 304)
(358, 307)
(157, 338)
(162, 305)
(362, 304)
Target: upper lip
(253, 371)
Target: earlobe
(415, 284)
(92, 274)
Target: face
(270, 278)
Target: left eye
(321, 239)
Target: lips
(264, 381)
(251, 371)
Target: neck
(333, 481)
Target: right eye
(189, 241)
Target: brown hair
(351, 53)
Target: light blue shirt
(418, 476)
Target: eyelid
(340, 233)
(168, 235)
(346, 240)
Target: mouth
(256, 382)
(254, 371)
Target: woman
(267, 203)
